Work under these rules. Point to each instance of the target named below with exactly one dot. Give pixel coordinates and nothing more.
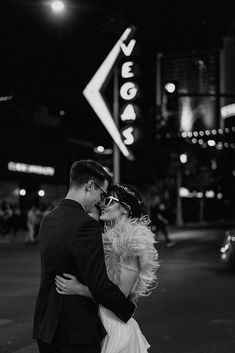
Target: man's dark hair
(84, 170)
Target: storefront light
(41, 193)
(30, 168)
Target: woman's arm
(71, 286)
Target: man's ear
(89, 184)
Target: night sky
(47, 61)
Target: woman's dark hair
(130, 196)
(84, 170)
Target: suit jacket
(70, 241)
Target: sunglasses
(110, 200)
(103, 194)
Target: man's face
(96, 195)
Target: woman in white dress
(132, 262)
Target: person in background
(160, 221)
(32, 220)
(7, 213)
(16, 218)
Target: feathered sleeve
(130, 239)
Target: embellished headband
(129, 192)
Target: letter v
(127, 49)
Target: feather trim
(129, 239)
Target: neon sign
(30, 168)
(128, 92)
(92, 91)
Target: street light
(183, 158)
(58, 6)
(170, 87)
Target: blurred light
(211, 143)
(100, 149)
(199, 195)
(16, 192)
(220, 131)
(228, 110)
(219, 195)
(57, 6)
(170, 87)
(41, 193)
(184, 192)
(30, 168)
(6, 98)
(226, 145)
(210, 194)
(200, 141)
(201, 133)
(233, 172)
(195, 133)
(62, 112)
(183, 158)
(186, 119)
(213, 164)
(22, 192)
(214, 132)
(207, 132)
(194, 140)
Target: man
(70, 242)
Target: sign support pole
(116, 151)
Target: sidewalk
(33, 348)
(205, 225)
(18, 239)
(221, 224)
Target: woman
(131, 261)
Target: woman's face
(113, 211)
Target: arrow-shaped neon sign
(92, 93)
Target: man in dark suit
(71, 242)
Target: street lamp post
(116, 151)
(179, 210)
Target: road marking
(33, 348)
(5, 321)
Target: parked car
(227, 250)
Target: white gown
(123, 243)
(121, 337)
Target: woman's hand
(70, 286)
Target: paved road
(191, 311)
